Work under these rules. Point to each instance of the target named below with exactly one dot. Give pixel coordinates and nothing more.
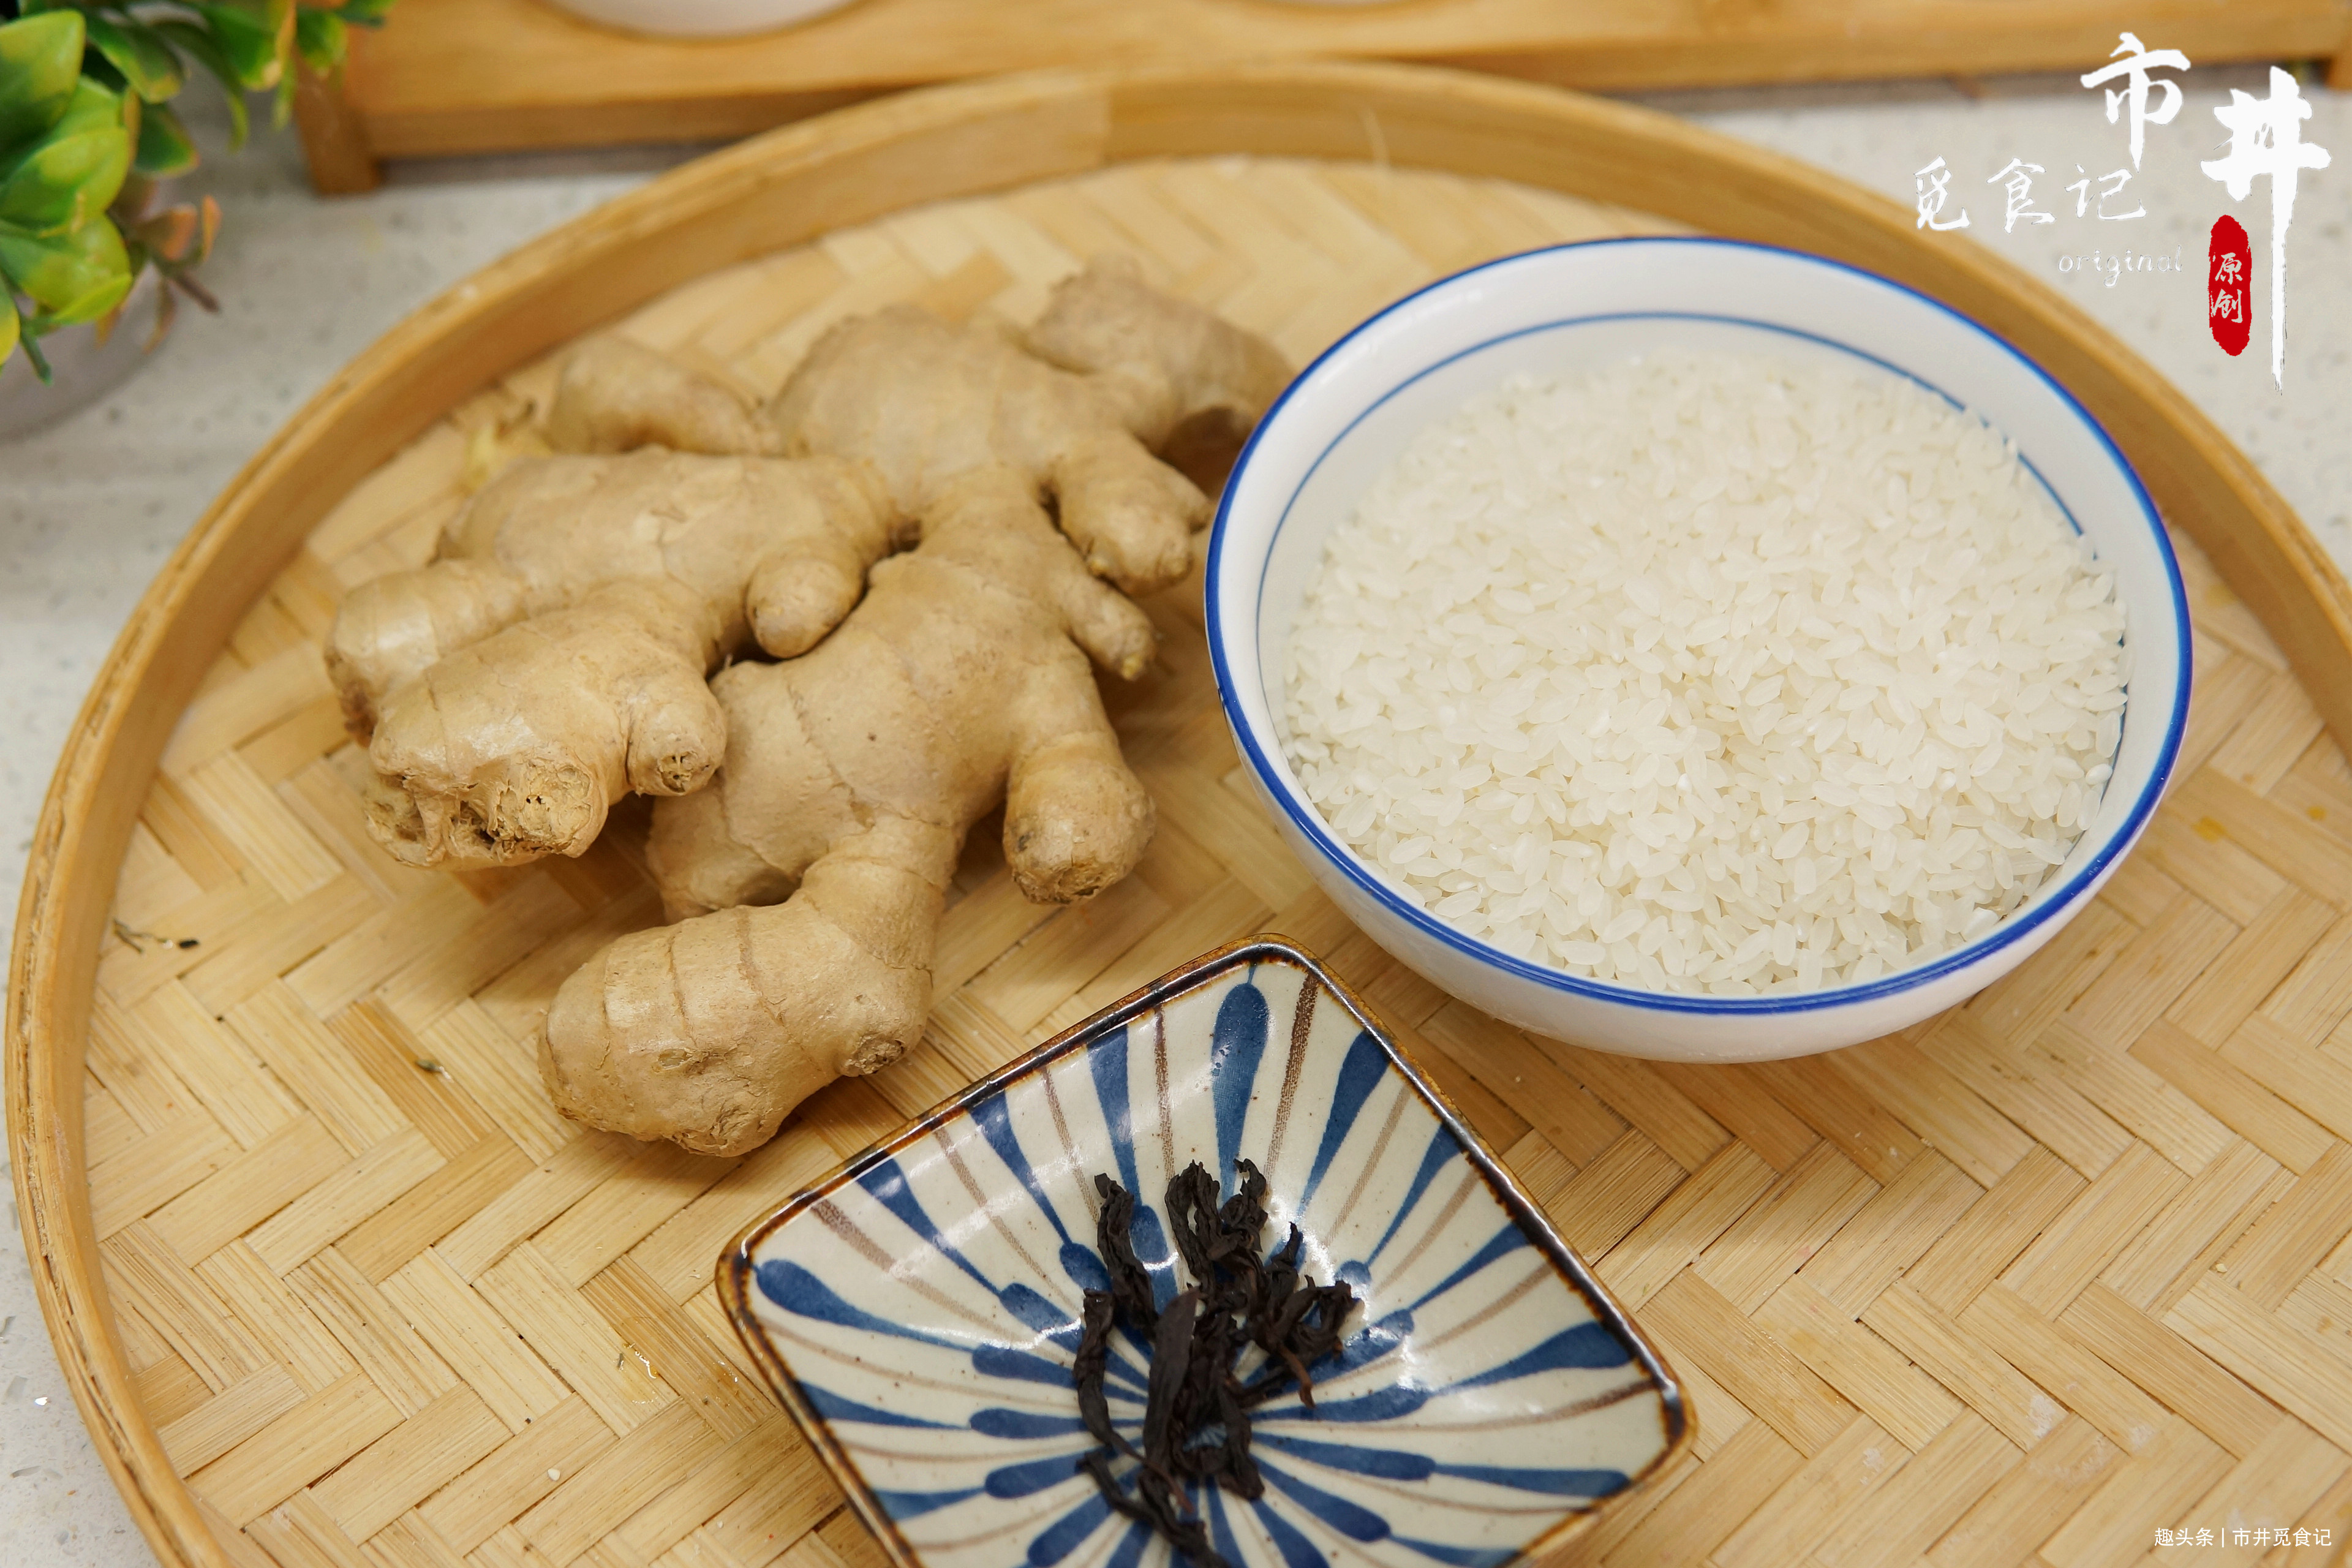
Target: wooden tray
(473, 76)
(333, 1287)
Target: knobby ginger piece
(514, 688)
(881, 528)
(852, 776)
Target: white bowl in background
(699, 18)
(1580, 306)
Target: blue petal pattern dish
(917, 1309)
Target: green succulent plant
(87, 130)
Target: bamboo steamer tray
(332, 1284)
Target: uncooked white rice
(1709, 673)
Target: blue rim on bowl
(892, 1306)
(1272, 773)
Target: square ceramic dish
(918, 1308)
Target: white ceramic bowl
(1582, 305)
(699, 18)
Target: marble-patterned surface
(90, 507)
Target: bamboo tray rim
(786, 186)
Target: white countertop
(90, 507)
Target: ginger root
(553, 658)
(881, 528)
(807, 881)
(852, 776)
(549, 660)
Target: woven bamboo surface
(2026, 1282)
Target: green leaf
(11, 327)
(97, 68)
(92, 110)
(40, 63)
(247, 42)
(205, 51)
(33, 351)
(165, 146)
(320, 38)
(74, 277)
(98, 302)
(365, 13)
(146, 62)
(66, 182)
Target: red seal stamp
(2229, 285)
